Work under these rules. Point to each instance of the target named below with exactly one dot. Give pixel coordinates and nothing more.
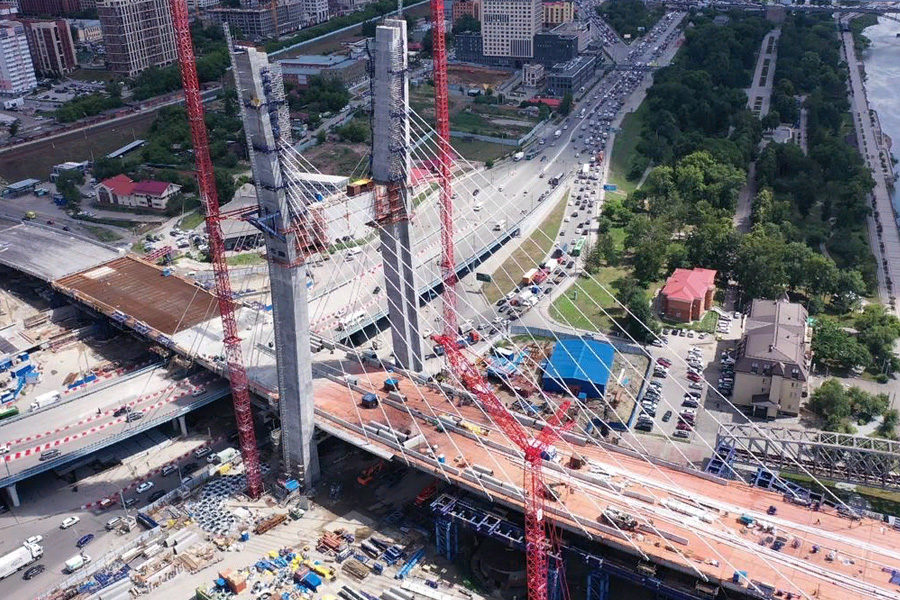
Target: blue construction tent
(578, 366)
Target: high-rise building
(50, 8)
(51, 47)
(138, 34)
(508, 27)
(559, 12)
(462, 8)
(315, 11)
(16, 70)
(198, 5)
(258, 21)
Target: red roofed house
(123, 191)
(688, 294)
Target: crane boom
(534, 448)
(206, 183)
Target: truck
(528, 276)
(585, 170)
(20, 557)
(518, 156)
(225, 456)
(44, 400)
(76, 562)
(557, 133)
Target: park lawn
(244, 260)
(625, 149)
(707, 323)
(579, 308)
(477, 150)
(530, 252)
(190, 221)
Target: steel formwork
(835, 456)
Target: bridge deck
(168, 304)
(862, 548)
(46, 253)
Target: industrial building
(771, 369)
(688, 294)
(138, 34)
(569, 77)
(51, 47)
(578, 366)
(16, 69)
(299, 69)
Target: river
(882, 61)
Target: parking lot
(687, 372)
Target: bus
(578, 247)
(354, 318)
(556, 179)
(8, 413)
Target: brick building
(51, 47)
(688, 294)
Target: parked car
(144, 487)
(681, 433)
(48, 454)
(68, 522)
(667, 416)
(85, 540)
(664, 362)
(129, 502)
(201, 452)
(134, 416)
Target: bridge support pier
(13, 494)
(181, 425)
(597, 585)
(554, 583)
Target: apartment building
(51, 47)
(50, 8)
(771, 370)
(508, 27)
(471, 8)
(261, 22)
(16, 70)
(138, 35)
(557, 13)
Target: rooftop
(586, 360)
(23, 185)
(775, 337)
(316, 60)
(689, 284)
(573, 66)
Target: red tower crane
(206, 182)
(442, 116)
(537, 543)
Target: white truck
(22, 556)
(44, 400)
(518, 156)
(585, 170)
(76, 562)
(557, 133)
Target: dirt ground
(338, 158)
(468, 75)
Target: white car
(35, 539)
(68, 522)
(144, 487)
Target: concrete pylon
(266, 123)
(390, 171)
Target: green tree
(831, 403)
(354, 132)
(565, 107)
(639, 321)
(14, 127)
(888, 427)
(593, 261)
(466, 23)
(67, 184)
(606, 246)
(835, 348)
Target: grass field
(244, 260)
(339, 158)
(578, 307)
(707, 323)
(103, 234)
(625, 149)
(190, 220)
(530, 252)
(480, 151)
(882, 501)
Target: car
(121, 411)
(85, 540)
(694, 377)
(681, 433)
(65, 228)
(134, 416)
(35, 539)
(168, 470)
(157, 495)
(144, 487)
(664, 362)
(201, 452)
(33, 572)
(129, 502)
(667, 416)
(186, 479)
(696, 385)
(68, 522)
(682, 426)
(48, 454)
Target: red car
(694, 377)
(682, 426)
(664, 362)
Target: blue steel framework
(450, 511)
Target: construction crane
(206, 183)
(538, 545)
(442, 116)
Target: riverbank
(882, 66)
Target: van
(113, 523)
(477, 206)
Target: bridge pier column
(445, 537)
(13, 494)
(597, 585)
(181, 424)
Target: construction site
(370, 427)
